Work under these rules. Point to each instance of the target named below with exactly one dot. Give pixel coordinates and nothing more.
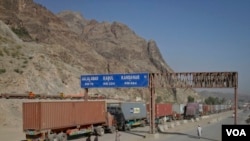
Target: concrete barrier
(160, 128)
(192, 120)
(197, 119)
(212, 120)
(177, 123)
(184, 121)
(165, 127)
(171, 125)
(204, 117)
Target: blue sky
(192, 35)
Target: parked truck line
(61, 119)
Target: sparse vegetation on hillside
(18, 71)
(15, 54)
(21, 32)
(6, 51)
(1, 53)
(2, 71)
(158, 99)
(25, 61)
(3, 39)
(190, 99)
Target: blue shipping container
(128, 114)
(130, 110)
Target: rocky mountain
(47, 53)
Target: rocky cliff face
(47, 53)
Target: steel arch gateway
(163, 80)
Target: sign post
(115, 80)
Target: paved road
(183, 132)
(211, 131)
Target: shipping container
(163, 112)
(217, 108)
(229, 107)
(65, 118)
(128, 114)
(192, 110)
(178, 110)
(213, 109)
(222, 108)
(200, 109)
(206, 109)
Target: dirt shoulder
(11, 134)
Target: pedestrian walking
(117, 135)
(199, 131)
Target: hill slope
(42, 52)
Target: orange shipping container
(162, 109)
(206, 109)
(62, 114)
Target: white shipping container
(178, 108)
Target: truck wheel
(100, 131)
(170, 119)
(62, 136)
(53, 137)
(127, 127)
(112, 129)
(123, 128)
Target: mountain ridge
(50, 55)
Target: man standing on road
(199, 131)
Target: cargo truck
(206, 109)
(57, 120)
(163, 112)
(128, 114)
(200, 109)
(178, 110)
(191, 110)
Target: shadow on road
(77, 137)
(190, 136)
(136, 133)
